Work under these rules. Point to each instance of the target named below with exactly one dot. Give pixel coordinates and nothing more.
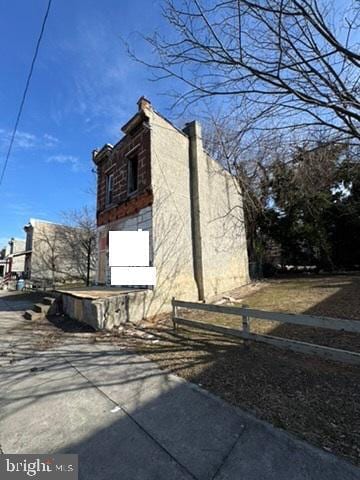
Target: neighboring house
(12, 263)
(3, 262)
(47, 253)
(159, 178)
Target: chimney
(94, 153)
(144, 104)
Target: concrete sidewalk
(129, 420)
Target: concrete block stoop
(48, 306)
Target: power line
(25, 91)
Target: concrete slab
(96, 292)
(266, 453)
(122, 451)
(196, 429)
(104, 310)
(208, 436)
(55, 409)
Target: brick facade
(114, 160)
(129, 207)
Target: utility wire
(25, 92)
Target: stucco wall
(18, 264)
(171, 215)
(223, 241)
(49, 245)
(224, 250)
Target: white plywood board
(133, 275)
(129, 248)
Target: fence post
(173, 312)
(246, 327)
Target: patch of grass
(310, 295)
(332, 296)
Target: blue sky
(83, 89)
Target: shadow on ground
(161, 427)
(317, 400)
(18, 301)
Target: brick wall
(115, 161)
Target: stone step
(31, 315)
(41, 308)
(48, 300)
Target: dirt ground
(315, 399)
(335, 296)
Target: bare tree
(79, 238)
(296, 61)
(249, 157)
(274, 174)
(49, 262)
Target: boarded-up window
(101, 267)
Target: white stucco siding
(18, 264)
(49, 260)
(173, 256)
(223, 239)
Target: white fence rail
(246, 314)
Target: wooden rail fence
(244, 332)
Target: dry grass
(335, 296)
